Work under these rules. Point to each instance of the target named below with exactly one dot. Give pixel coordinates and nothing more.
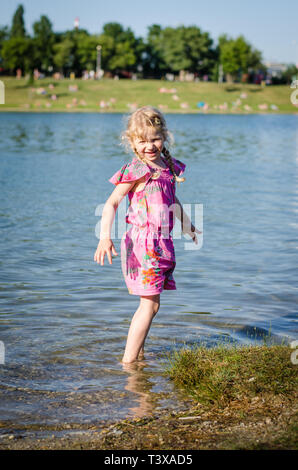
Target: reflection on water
(64, 319)
(138, 382)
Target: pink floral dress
(147, 249)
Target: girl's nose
(151, 145)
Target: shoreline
(189, 112)
(271, 425)
(235, 399)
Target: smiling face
(150, 145)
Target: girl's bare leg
(140, 326)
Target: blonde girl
(147, 249)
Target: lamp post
(220, 73)
(98, 62)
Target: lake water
(64, 318)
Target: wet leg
(139, 327)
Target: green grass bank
(108, 95)
(236, 398)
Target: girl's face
(150, 146)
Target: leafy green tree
(124, 57)
(43, 40)
(237, 56)
(86, 52)
(77, 52)
(63, 55)
(288, 76)
(18, 52)
(152, 57)
(18, 24)
(113, 30)
(119, 48)
(4, 35)
(182, 48)
(188, 49)
(14, 52)
(18, 49)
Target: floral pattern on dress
(151, 262)
(131, 171)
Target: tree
(289, 75)
(237, 56)
(79, 51)
(4, 35)
(182, 48)
(189, 49)
(18, 24)
(118, 48)
(123, 58)
(114, 30)
(152, 56)
(86, 51)
(63, 57)
(18, 52)
(43, 41)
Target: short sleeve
(179, 167)
(130, 172)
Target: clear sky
(269, 25)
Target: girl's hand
(192, 232)
(105, 246)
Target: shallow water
(64, 318)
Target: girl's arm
(186, 224)
(105, 245)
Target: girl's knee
(155, 308)
(151, 303)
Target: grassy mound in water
(221, 375)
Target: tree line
(165, 50)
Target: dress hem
(151, 293)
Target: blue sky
(269, 25)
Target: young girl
(147, 250)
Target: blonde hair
(139, 122)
